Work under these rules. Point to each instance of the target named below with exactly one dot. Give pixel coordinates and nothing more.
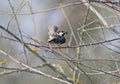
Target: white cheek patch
(60, 34)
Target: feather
(52, 29)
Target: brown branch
(66, 5)
(32, 69)
(82, 45)
(99, 70)
(36, 54)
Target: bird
(56, 36)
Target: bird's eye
(63, 34)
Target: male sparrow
(55, 35)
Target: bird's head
(61, 33)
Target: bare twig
(99, 70)
(55, 8)
(32, 69)
(36, 54)
(82, 45)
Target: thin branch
(69, 24)
(36, 54)
(32, 69)
(95, 12)
(18, 28)
(55, 8)
(82, 45)
(99, 70)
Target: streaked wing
(56, 28)
(50, 38)
(52, 29)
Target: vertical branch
(18, 28)
(22, 4)
(95, 12)
(32, 69)
(69, 25)
(31, 11)
(55, 69)
(72, 34)
(15, 18)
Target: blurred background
(86, 23)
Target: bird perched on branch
(56, 36)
